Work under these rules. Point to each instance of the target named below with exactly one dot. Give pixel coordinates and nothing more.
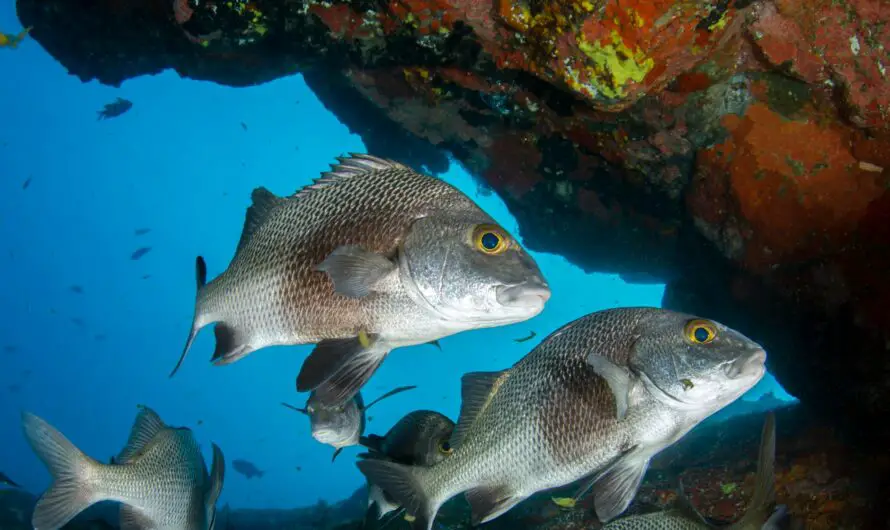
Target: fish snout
(750, 364)
(532, 294)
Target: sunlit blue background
(181, 164)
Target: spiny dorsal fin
(353, 165)
(477, 390)
(263, 202)
(147, 425)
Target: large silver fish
(598, 398)
(371, 257)
(340, 425)
(420, 438)
(159, 477)
(759, 516)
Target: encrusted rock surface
(738, 150)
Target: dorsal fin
(263, 202)
(477, 389)
(353, 165)
(147, 425)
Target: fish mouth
(527, 295)
(753, 364)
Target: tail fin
(402, 484)
(70, 492)
(761, 506)
(201, 281)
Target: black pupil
(702, 334)
(490, 241)
(446, 446)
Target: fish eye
(490, 239)
(700, 331)
(445, 447)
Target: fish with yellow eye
(12, 41)
(371, 257)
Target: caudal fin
(200, 280)
(402, 484)
(70, 492)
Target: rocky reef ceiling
(738, 151)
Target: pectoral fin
(618, 379)
(355, 271)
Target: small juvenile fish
(141, 231)
(139, 253)
(371, 257)
(761, 513)
(340, 425)
(11, 40)
(526, 339)
(27, 183)
(420, 438)
(114, 109)
(77, 289)
(159, 477)
(247, 469)
(597, 398)
(243, 125)
(564, 502)
(7, 481)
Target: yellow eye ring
(490, 239)
(445, 447)
(700, 331)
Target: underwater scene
(444, 264)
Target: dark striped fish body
(159, 478)
(370, 257)
(599, 397)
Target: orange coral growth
(797, 185)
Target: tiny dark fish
(26, 183)
(200, 422)
(299, 468)
(78, 322)
(524, 339)
(77, 289)
(139, 253)
(7, 481)
(243, 125)
(99, 337)
(146, 276)
(10, 349)
(247, 469)
(114, 109)
(141, 231)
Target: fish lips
(530, 295)
(753, 364)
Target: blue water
(181, 164)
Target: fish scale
(159, 477)
(373, 256)
(555, 417)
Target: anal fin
(231, 344)
(487, 503)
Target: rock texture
(737, 150)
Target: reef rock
(737, 150)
